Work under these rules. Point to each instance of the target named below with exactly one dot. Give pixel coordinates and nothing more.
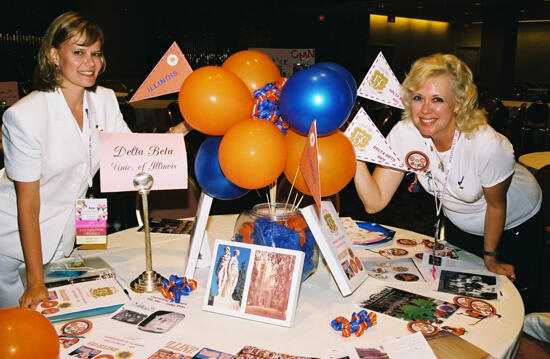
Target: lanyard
(90, 178)
(439, 201)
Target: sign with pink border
(123, 155)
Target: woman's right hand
(33, 295)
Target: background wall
(138, 34)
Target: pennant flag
(370, 145)
(309, 164)
(166, 77)
(380, 84)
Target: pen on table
(60, 283)
(123, 288)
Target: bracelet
(490, 254)
(172, 129)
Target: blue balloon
(209, 174)
(344, 73)
(316, 93)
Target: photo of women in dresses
(228, 277)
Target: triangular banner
(166, 77)
(370, 145)
(380, 84)
(309, 164)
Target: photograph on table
(254, 282)
(396, 270)
(469, 284)
(408, 306)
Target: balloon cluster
(247, 106)
(176, 286)
(358, 324)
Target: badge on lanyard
(91, 222)
(416, 161)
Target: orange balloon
(25, 333)
(213, 99)
(252, 153)
(255, 68)
(336, 161)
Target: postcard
(250, 352)
(408, 306)
(254, 282)
(469, 284)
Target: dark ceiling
(454, 11)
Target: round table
(535, 161)
(319, 301)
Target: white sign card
(123, 155)
(199, 250)
(254, 282)
(380, 84)
(336, 246)
(370, 145)
(289, 61)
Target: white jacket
(42, 141)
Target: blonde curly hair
(469, 117)
(64, 27)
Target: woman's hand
(33, 295)
(497, 266)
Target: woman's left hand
(497, 266)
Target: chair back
(129, 115)
(543, 178)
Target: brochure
(83, 299)
(141, 329)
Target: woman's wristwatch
(490, 254)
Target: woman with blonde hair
(50, 140)
(491, 204)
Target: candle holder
(149, 281)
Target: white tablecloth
(319, 302)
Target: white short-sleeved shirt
(42, 141)
(482, 159)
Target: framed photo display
(254, 282)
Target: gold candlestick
(149, 281)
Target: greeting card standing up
(370, 145)
(91, 221)
(199, 250)
(309, 164)
(336, 247)
(123, 155)
(254, 282)
(166, 77)
(380, 84)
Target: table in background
(535, 161)
(149, 116)
(320, 301)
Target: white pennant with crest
(380, 84)
(370, 145)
